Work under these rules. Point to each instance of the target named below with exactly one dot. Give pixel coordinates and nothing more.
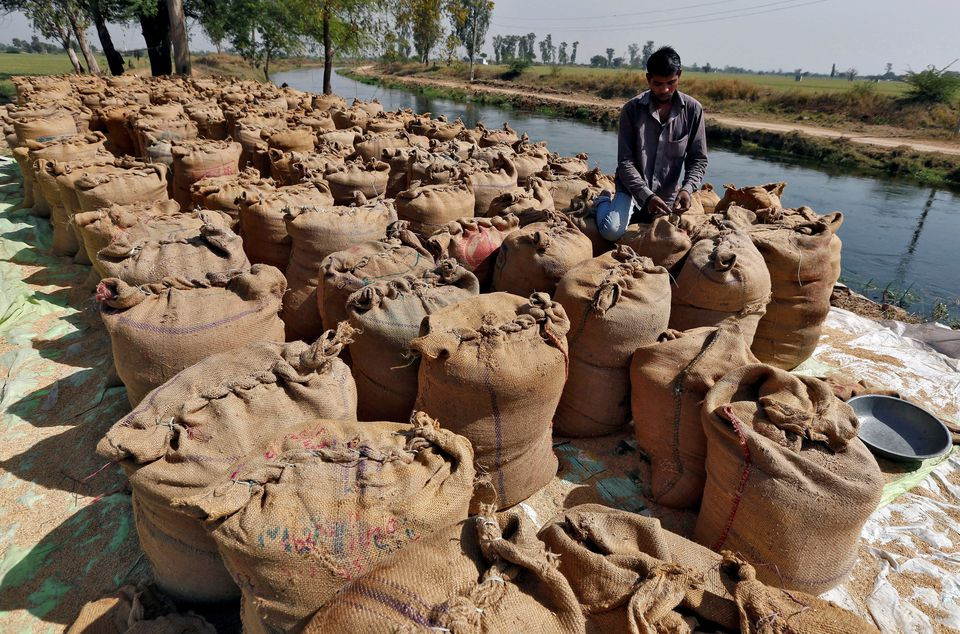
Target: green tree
(648, 50)
(562, 57)
(426, 27)
(598, 61)
(262, 30)
(573, 53)
(932, 85)
(470, 20)
(345, 26)
(52, 19)
(633, 53)
(610, 57)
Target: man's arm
(695, 162)
(626, 158)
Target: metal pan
(898, 430)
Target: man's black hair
(664, 62)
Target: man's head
(663, 73)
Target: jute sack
(529, 205)
(385, 122)
(373, 145)
(474, 243)
(753, 197)
(505, 135)
(346, 118)
(144, 259)
(347, 271)
(123, 187)
(429, 207)
(564, 188)
(159, 329)
(326, 501)
(70, 148)
(188, 432)
(316, 232)
(804, 265)
(536, 257)
(369, 178)
(196, 160)
(569, 165)
(266, 240)
(297, 139)
(346, 138)
(583, 213)
(529, 161)
(397, 159)
(707, 198)
(139, 609)
(66, 174)
(492, 368)
(442, 130)
(325, 103)
(253, 149)
(44, 124)
(488, 573)
(147, 130)
(97, 229)
(290, 168)
(65, 238)
(789, 485)
(223, 193)
(488, 184)
(387, 316)
(616, 303)
(668, 380)
(115, 119)
(663, 241)
(721, 277)
(630, 575)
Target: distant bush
(516, 68)
(726, 89)
(932, 85)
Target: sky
(757, 34)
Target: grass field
(772, 82)
(33, 64)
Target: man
(661, 136)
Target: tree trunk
(156, 30)
(178, 34)
(72, 54)
(114, 59)
(266, 66)
(327, 54)
(78, 32)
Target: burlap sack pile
(487, 184)
(70, 148)
(564, 188)
(492, 368)
(138, 258)
(159, 329)
(387, 316)
(261, 221)
(616, 303)
(185, 435)
(721, 277)
(486, 574)
(67, 173)
(496, 136)
(529, 205)
(326, 501)
(707, 198)
(668, 381)
(789, 485)
(536, 257)
(474, 243)
(316, 232)
(583, 213)
(346, 272)
(569, 165)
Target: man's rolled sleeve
(627, 172)
(695, 164)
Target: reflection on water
(895, 235)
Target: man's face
(662, 88)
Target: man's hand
(682, 203)
(656, 206)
